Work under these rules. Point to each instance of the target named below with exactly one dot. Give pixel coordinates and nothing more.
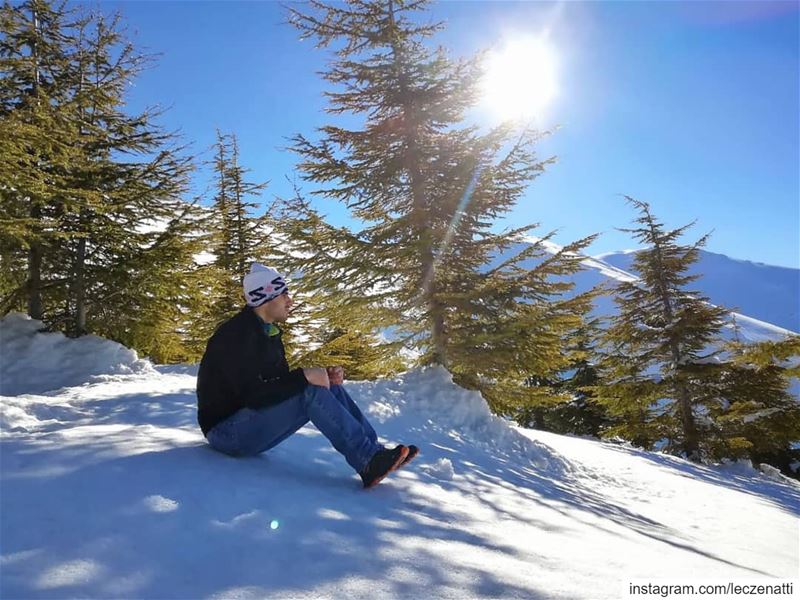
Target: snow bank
(32, 362)
(431, 394)
(743, 467)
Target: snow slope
(109, 491)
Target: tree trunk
(80, 289)
(36, 252)
(691, 442)
(34, 285)
(427, 257)
(438, 333)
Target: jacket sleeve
(260, 393)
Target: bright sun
(520, 79)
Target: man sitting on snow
(249, 401)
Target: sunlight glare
(520, 79)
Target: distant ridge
(764, 292)
(765, 300)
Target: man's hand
(317, 377)
(335, 375)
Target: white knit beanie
(262, 284)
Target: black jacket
(243, 367)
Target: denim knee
(311, 392)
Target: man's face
(280, 307)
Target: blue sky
(691, 106)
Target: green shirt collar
(270, 329)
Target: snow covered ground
(109, 491)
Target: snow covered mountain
(764, 292)
(771, 291)
(108, 490)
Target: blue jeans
(249, 432)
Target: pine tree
(36, 156)
(428, 190)
(580, 414)
(329, 325)
(169, 295)
(107, 220)
(662, 327)
(238, 237)
(754, 414)
(36, 146)
(135, 178)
